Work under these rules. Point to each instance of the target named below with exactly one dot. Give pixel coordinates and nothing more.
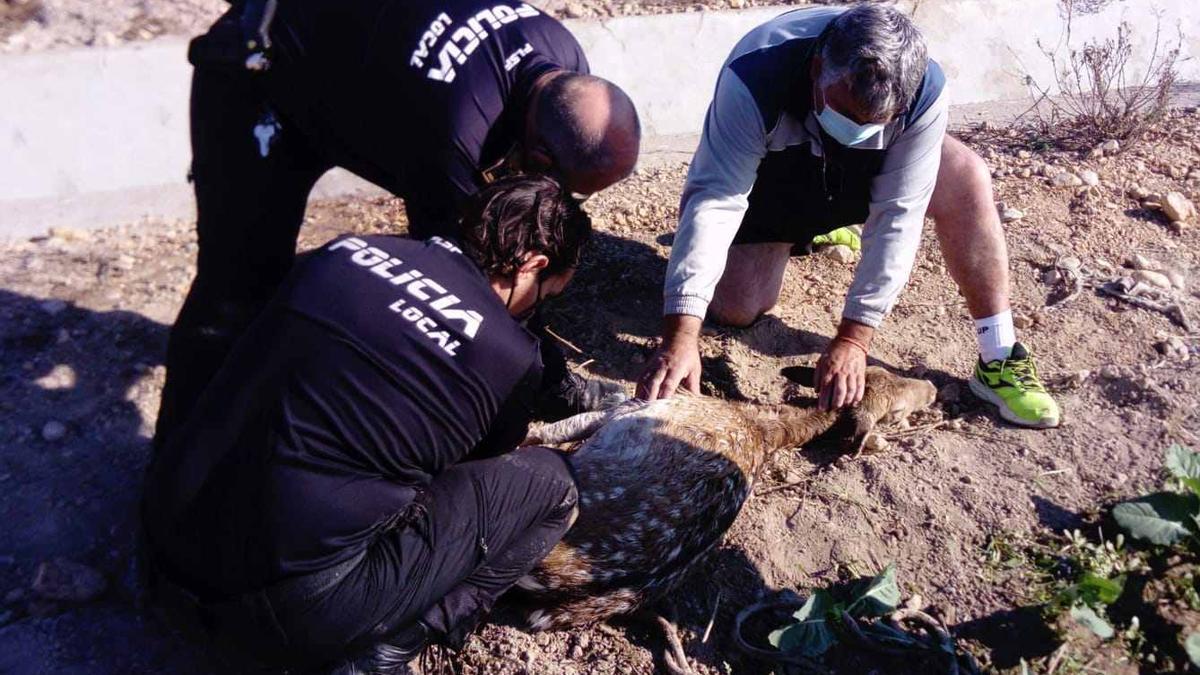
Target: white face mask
(843, 129)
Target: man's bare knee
(963, 176)
(739, 315)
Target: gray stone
(1173, 348)
(1070, 263)
(1111, 147)
(839, 252)
(1176, 278)
(70, 234)
(1065, 179)
(1150, 278)
(1089, 177)
(61, 376)
(1177, 207)
(1140, 262)
(54, 430)
(875, 443)
(1009, 215)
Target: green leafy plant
(1170, 516)
(865, 615)
(1086, 577)
(813, 634)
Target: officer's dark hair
(879, 53)
(515, 216)
(571, 142)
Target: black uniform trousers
(470, 536)
(248, 214)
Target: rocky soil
(1105, 258)
(35, 25)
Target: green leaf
(1192, 645)
(1182, 462)
(1158, 518)
(811, 635)
(1094, 589)
(1192, 484)
(1087, 617)
(890, 637)
(880, 597)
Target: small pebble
(61, 376)
(875, 443)
(54, 430)
(1009, 215)
(840, 253)
(1173, 348)
(1156, 279)
(1071, 263)
(1065, 179)
(1078, 378)
(1140, 262)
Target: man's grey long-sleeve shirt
(736, 138)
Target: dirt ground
(36, 25)
(83, 322)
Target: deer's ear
(804, 376)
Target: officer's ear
(534, 263)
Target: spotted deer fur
(661, 482)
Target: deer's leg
(574, 428)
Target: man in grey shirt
(825, 117)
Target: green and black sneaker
(1014, 387)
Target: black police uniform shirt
(381, 362)
(417, 96)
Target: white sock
(996, 336)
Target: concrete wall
(100, 136)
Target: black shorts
(798, 196)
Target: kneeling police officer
(346, 490)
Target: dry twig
(675, 658)
(563, 340)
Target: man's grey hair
(879, 53)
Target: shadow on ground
(74, 448)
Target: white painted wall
(98, 136)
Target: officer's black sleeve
(512, 421)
